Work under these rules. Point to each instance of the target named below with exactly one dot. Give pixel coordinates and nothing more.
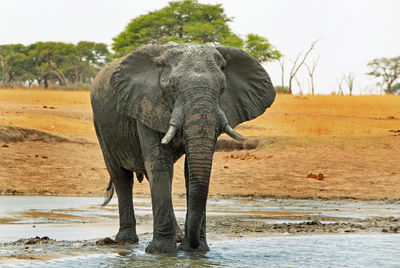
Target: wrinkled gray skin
(191, 92)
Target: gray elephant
(161, 102)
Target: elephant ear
(248, 91)
(136, 84)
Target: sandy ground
(62, 157)
(69, 160)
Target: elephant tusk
(233, 134)
(170, 134)
(227, 128)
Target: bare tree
(299, 85)
(297, 63)
(340, 85)
(311, 70)
(349, 79)
(282, 64)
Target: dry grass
(52, 111)
(320, 115)
(46, 97)
(296, 116)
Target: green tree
(388, 70)
(89, 58)
(52, 60)
(260, 48)
(12, 59)
(189, 22)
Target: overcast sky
(352, 32)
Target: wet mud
(219, 228)
(226, 220)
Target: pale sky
(352, 32)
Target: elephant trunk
(200, 130)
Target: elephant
(161, 102)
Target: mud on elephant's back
(102, 84)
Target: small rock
(31, 241)
(105, 241)
(5, 146)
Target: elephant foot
(161, 246)
(127, 235)
(185, 246)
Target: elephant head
(199, 91)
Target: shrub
(280, 89)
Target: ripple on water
(291, 251)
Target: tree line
(185, 21)
(67, 64)
(51, 62)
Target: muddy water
(293, 251)
(243, 232)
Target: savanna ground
(302, 147)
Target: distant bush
(6, 85)
(280, 89)
(74, 86)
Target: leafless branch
(282, 64)
(297, 64)
(340, 85)
(311, 71)
(349, 79)
(299, 85)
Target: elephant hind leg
(178, 232)
(123, 181)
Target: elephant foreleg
(158, 162)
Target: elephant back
(101, 85)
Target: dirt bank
(36, 162)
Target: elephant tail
(109, 193)
(139, 177)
